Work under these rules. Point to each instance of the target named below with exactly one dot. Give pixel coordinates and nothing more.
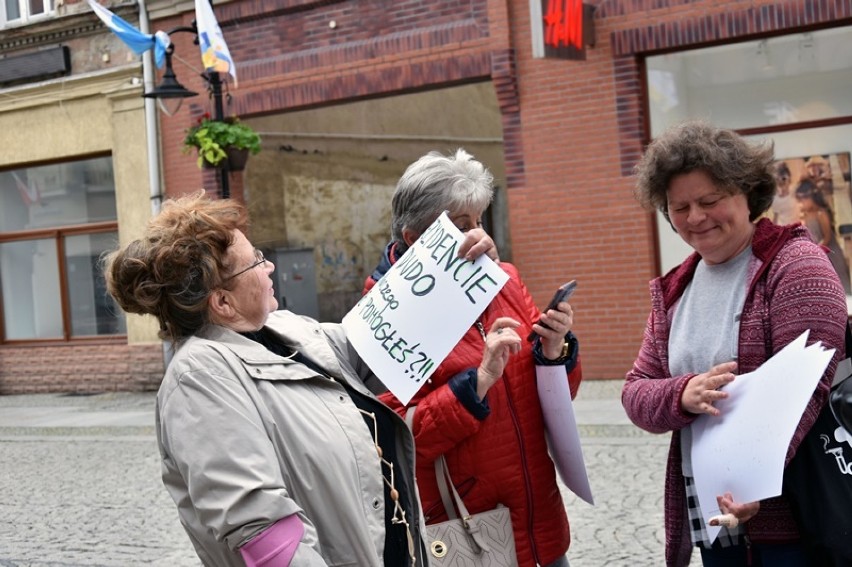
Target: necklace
(389, 480)
(481, 330)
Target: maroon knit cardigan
(791, 287)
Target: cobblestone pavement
(80, 485)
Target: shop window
(18, 12)
(775, 81)
(790, 90)
(55, 223)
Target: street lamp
(171, 89)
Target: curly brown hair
(734, 164)
(171, 271)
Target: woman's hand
(742, 512)
(476, 243)
(559, 321)
(702, 391)
(500, 342)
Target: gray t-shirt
(706, 325)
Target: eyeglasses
(258, 255)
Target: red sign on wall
(567, 28)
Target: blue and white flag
(214, 51)
(134, 39)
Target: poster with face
(814, 190)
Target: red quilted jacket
(503, 458)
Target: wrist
(572, 352)
(464, 385)
(484, 381)
(563, 352)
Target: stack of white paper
(743, 450)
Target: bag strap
(448, 489)
(469, 521)
(441, 474)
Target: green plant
(211, 137)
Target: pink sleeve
(276, 545)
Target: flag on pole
(214, 51)
(134, 39)
(30, 194)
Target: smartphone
(562, 294)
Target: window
(772, 82)
(791, 90)
(16, 12)
(55, 222)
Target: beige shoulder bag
(467, 540)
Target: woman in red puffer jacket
(480, 408)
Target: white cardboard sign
(414, 316)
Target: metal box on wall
(295, 280)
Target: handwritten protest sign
(414, 316)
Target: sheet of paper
(743, 450)
(414, 316)
(563, 437)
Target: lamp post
(171, 89)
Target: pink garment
(276, 545)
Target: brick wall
(290, 58)
(81, 368)
(572, 129)
(584, 128)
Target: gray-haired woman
(480, 408)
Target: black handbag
(840, 401)
(818, 481)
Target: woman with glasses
(272, 447)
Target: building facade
(346, 93)
(72, 169)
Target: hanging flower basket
(237, 158)
(214, 139)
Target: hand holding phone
(562, 294)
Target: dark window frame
(58, 234)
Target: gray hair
(436, 183)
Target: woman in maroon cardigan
(749, 289)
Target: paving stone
(81, 485)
